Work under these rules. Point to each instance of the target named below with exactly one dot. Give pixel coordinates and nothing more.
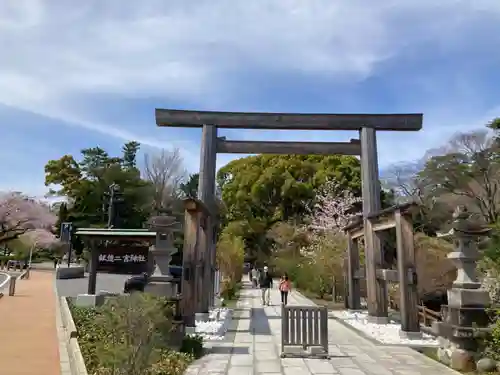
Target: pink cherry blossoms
(332, 212)
(334, 208)
(20, 214)
(40, 238)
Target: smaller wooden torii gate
(398, 217)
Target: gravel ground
(383, 333)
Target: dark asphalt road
(73, 287)
(105, 282)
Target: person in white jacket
(255, 276)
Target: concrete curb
(67, 318)
(72, 362)
(4, 283)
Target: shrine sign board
(124, 258)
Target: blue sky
(81, 74)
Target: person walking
(285, 287)
(266, 283)
(255, 276)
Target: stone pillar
(370, 185)
(467, 303)
(161, 282)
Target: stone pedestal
(161, 286)
(458, 297)
(89, 300)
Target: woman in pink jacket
(285, 287)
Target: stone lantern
(160, 281)
(465, 314)
(466, 291)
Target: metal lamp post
(31, 254)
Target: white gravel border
(216, 327)
(383, 333)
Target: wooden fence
(304, 327)
(425, 315)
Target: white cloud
(56, 53)
(169, 47)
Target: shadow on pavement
(269, 317)
(259, 324)
(229, 350)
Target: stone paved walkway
(28, 335)
(253, 348)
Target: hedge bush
(193, 345)
(131, 335)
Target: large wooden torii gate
(365, 146)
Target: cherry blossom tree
(35, 239)
(313, 254)
(334, 208)
(40, 238)
(325, 251)
(20, 214)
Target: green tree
(130, 150)
(282, 187)
(259, 191)
(466, 173)
(62, 216)
(190, 187)
(85, 183)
